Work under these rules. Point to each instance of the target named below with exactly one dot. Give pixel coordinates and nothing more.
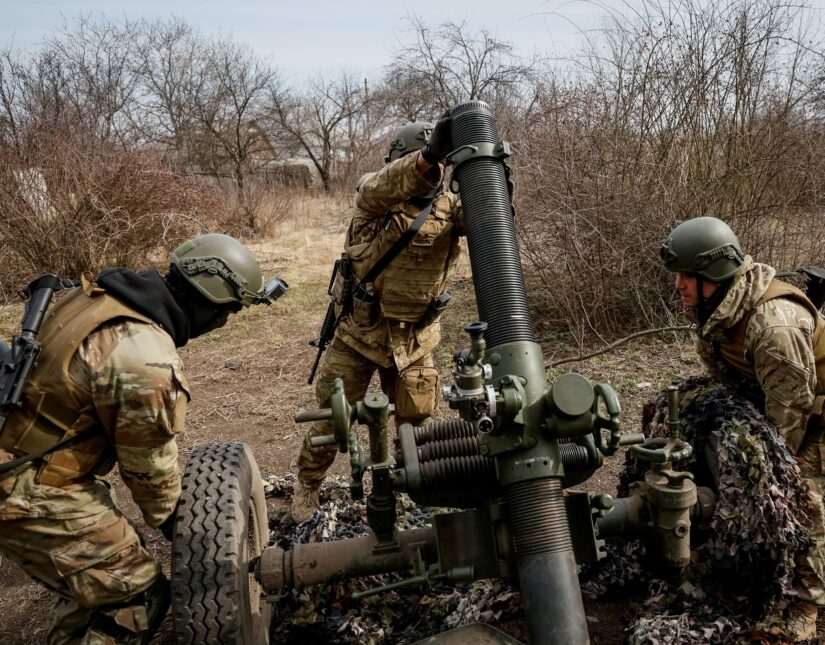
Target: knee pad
(132, 622)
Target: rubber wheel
(220, 525)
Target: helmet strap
(707, 306)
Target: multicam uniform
(110, 371)
(767, 338)
(391, 343)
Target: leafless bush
(68, 208)
(267, 201)
(686, 109)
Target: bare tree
(450, 64)
(92, 60)
(323, 122)
(229, 106)
(172, 68)
(83, 78)
(677, 110)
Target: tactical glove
(440, 142)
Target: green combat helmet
(410, 138)
(703, 246)
(224, 270)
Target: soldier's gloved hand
(168, 527)
(440, 142)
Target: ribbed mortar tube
(546, 565)
(491, 232)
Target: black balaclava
(170, 301)
(148, 294)
(203, 314)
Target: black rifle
(17, 361)
(326, 336)
(340, 292)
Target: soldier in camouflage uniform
(109, 369)
(388, 334)
(766, 338)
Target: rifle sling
(397, 247)
(9, 466)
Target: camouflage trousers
(810, 566)
(82, 547)
(414, 391)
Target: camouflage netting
(743, 567)
(327, 613)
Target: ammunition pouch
(365, 306)
(416, 393)
(341, 284)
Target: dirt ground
(249, 379)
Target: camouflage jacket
(777, 346)
(382, 207)
(132, 375)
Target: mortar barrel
(547, 572)
(491, 233)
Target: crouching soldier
(766, 339)
(109, 374)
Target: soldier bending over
(109, 369)
(765, 338)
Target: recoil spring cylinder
(463, 470)
(573, 455)
(443, 429)
(538, 517)
(448, 448)
(491, 231)
(457, 438)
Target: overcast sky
(304, 36)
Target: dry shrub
(688, 109)
(70, 208)
(266, 201)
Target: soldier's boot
(132, 622)
(800, 618)
(305, 501)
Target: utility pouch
(365, 306)
(434, 310)
(341, 283)
(416, 393)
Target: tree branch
(618, 343)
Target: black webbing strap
(397, 247)
(14, 464)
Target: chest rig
(733, 350)
(55, 407)
(413, 274)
